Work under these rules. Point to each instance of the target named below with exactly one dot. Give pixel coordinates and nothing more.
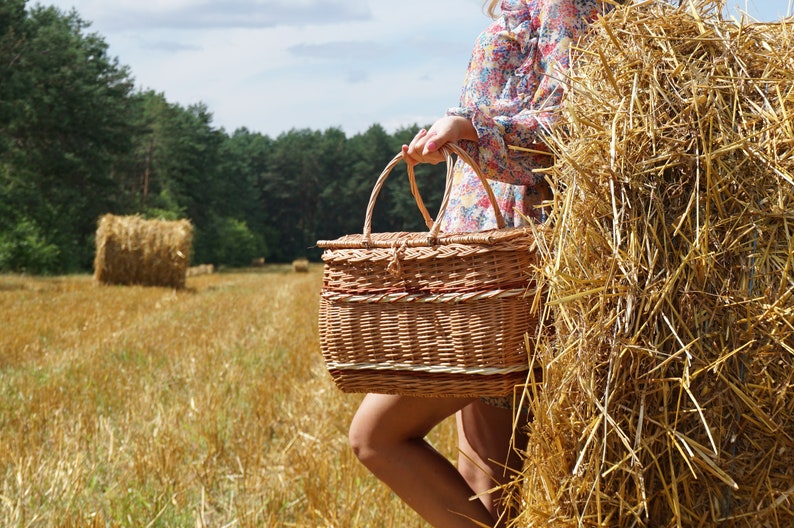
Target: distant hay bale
(201, 269)
(258, 262)
(668, 267)
(131, 250)
(300, 265)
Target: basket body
(402, 315)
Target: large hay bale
(131, 250)
(668, 265)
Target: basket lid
(519, 236)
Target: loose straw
(668, 263)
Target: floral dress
(511, 93)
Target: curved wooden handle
(434, 226)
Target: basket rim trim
(406, 297)
(507, 235)
(482, 371)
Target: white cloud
(121, 15)
(168, 46)
(273, 65)
(305, 100)
(341, 50)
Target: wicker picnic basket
(428, 313)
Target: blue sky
(275, 65)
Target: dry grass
(210, 406)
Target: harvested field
(208, 406)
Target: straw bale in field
(668, 265)
(201, 269)
(300, 265)
(131, 250)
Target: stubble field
(148, 407)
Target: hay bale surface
(131, 250)
(668, 263)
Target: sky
(276, 65)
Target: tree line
(78, 139)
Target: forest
(79, 139)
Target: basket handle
(434, 226)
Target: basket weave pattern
(442, 269)
(427, 314)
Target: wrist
(464, 128)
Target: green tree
(290, 193)
(187, 158)
(369, 154)
(12, 20)
(243, 160)
(66, 120)
(22, 248)
(228, 241)
(331, 214)
(174, 169)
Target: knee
(363, 442)
(372, 444)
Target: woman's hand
(424, 147)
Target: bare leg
(387, 435)
(487, 456)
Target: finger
(430, 153)
(418, 138)
(434, 158)
(414, 148)
(409, 159)
(431, 142)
